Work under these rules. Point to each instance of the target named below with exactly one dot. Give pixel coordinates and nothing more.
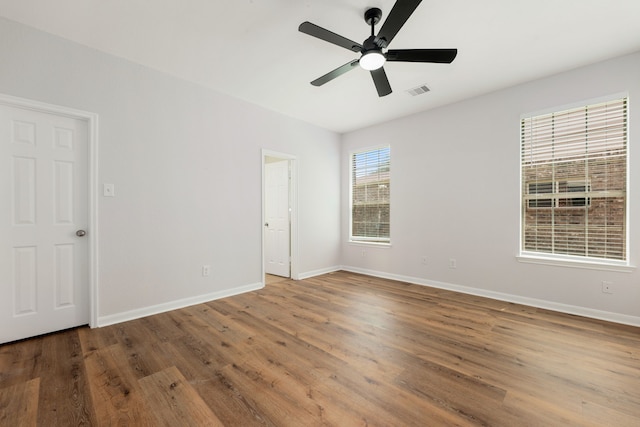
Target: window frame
(576, 261)
(555, 196)
(358, 239)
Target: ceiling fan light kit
(373, 56)
(372, 60)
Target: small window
(370, 195)
(558, 194)
(545, 188)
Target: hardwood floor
(270, 279)
(341, 349)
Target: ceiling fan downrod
(372, 17)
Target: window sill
(589, 265)
(365, 243)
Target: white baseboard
(532, 302)
(174, 305)
(309, 274)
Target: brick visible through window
(370, 190)
(574, 181)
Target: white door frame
(92, 169)
(293, 200)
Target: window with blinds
(574, 182)
(370, 189)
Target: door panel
(24, 191)
(44, 276)
(24, 280)
(277, 233)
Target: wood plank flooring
(340, 349)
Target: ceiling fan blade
(442, 56)
(381, 81)
(328, 36)
(399, 14)
(335, 73)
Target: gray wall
(455, 194)
(186, 164)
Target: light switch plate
(108, 190)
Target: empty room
(305, 213)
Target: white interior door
(277, 231)
(44, 274)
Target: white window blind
(370, 189)
(574, 181)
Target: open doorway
(279, 234)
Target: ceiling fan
(372, 49)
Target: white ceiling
(251, 49)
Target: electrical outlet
(364, 253)
(607, 287)
(452, 263)
(206, 270)
(424, 260)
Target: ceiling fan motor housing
(370, 44)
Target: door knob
(266, 224)
(80, 233)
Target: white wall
(455, 194)
(186, 164)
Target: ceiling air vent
(418, 90)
